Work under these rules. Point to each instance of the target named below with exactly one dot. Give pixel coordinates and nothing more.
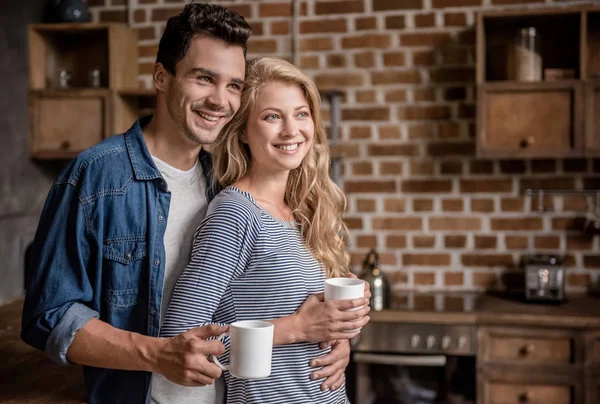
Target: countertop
(489, 309)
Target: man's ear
(161, 77)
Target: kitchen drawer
(592, 349)
(526, 346)
(505, 393)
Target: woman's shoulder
(233, 202)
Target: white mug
(250, 349)
(343, 289)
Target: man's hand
(333, 365)
(183, 359)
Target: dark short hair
(205, 19)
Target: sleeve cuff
(61, 337)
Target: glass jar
(526, 58)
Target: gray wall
(23, 184)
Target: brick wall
(440, 217)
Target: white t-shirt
(186, 211)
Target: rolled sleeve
(62, 335)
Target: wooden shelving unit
(546, 118)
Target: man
(105, 258)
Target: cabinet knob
(65, 145)
(525, 397)
(527, 350)
(528, 141)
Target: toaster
(544, 278)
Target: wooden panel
(504, 393)
(37, 60)
(128, 106)
(593, 44)
(592, 348)
(123, 48)
(530, 350)
(592, 122)
(530, 120)
(66, 124)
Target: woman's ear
(244, 137)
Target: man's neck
(169, 145)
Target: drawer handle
(525, 397)
(526, 350)
(65, 145)
(525, 143)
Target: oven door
(389, 378)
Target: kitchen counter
(489, 309)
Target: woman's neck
(268, 190)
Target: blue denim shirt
(98, 252)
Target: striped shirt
(249, 265)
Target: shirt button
(160, 217)
(163, 184)
(128, 256)
(156, 262)
(153, 311)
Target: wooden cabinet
(75, 73)
(530, 365)
(549, 117)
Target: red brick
(426, 259)
(455, 19)
(366, 205)
(366, 23)
(481, 167)
(395, 95)
(257, 28)
(398, 223)
(434, 186)
(336, 80)
(385, 5)
(484, 279)
(521, 223)
(516, 242)
(455, 223)
(366, 96)
(423, 112)
(139, 15)
(424, 20)
(487, 185)
(512, 204)
(391, 168)
(566, 223)
(392, 150)
(424, 278)
(245, 10)
(310, 62)
(579, 243)
(395, 22)
(366, 114)
(384, 258)
(545, 183)
(424, 94)
(487, 260)
(148, 50)
(163, 14)
(453, 278)
(543, 166)
(454, 3)
(482, 205)
(575, 165)
(591, 261)
(422, 205)
(423, 241)
(146, 33)
(422, 168)
(316, 44)
(485, 242)
(425, 39)
(394, 59)
(369, 186)
(453, 75)
(452, 205)
(275, 9)
(323, 25)
(118, 2)
(452, 241)
(362, 168)
(279, 28)
(336, 60)
(451, 167)
(364, 59)
(146, 68)
(97, 3)
(424, 302)
(390, 132)
(113, 16)
(395, 241)
(262, 46)
(423, 58)
(366, 241)
(371, 41)
(355, 223)
(139, 1)
(395, 77)
(446, 149)
(394, 205)
(360, 132)
(455, 93)
(420, 131)
(575, 203)
(502, 2)
(579, 280)
(339, 7)
(546, 242)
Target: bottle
(380, 288)
(526, 59)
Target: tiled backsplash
(441, 218)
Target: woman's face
(280, 128)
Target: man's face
(205, 92)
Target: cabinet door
(592, 121)
(64, 124)
(517, 120)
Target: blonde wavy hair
(316, 201)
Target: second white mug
(250, 350)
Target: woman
(271, 237)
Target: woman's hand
(317, 320)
